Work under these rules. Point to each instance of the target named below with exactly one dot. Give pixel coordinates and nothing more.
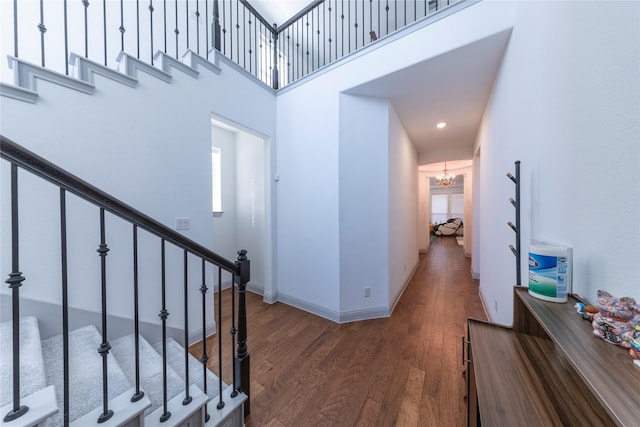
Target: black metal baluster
(151, 9)
(307, 51)
(349, 27)
(363, 40)
(187, 398)
(336, 26)
(386, 8)
(187, 21)
(298, 53)
(318, 34)
(104, 29)
(42, 29)
(15, 28)
(220, 401)
(198, 26)
(85, 3)
(330, 39)
(136, 316)
(232, 332)
(104, 348)
(206, 26)
(231, 31)
(238, 32)
(324, 25)
(415, 10)
(65, 307)
(379, 33)
(15, 282)
(244, 38)
(224, 29)
(204, 358)
(66, 38)
(270, 76)
(255, 46)
(274, 76)
(250, 50)
(342, 34)
(425, 7)
(355, 25)
(371, 18)
(138, 29)
(164, 314)
(288, 47)
(164, 20)
(315, 32)
(122, 30)
(176, 31)
(395, 15)
(405, 13)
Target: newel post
(243, 377)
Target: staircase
(41, 378)
(85, 376)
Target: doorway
(240, 200)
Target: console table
(547, 370)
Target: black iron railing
(321, 33)
(21, 159)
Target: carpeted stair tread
(85, 373)
(175, 356)
(32, 372)
(150, 370)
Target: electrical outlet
(367, 292)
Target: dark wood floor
(405, 370)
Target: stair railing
(321, 33)
(21, 158)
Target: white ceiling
(278, 11)
(453, 87)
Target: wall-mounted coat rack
(516, 228)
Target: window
(439, 208)
(446, 206)
(216, 181)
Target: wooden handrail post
(243, 377)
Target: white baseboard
(309, 307)
(484, 307)
(365, 314)
(196, 334)
(404, 286)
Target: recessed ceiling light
(441, 125)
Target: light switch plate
(183, 223)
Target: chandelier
(445, 179)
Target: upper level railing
(23, 161)
(46, 32)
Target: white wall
(308, 152)
(403, 208)
(424, 211)
(468, 213)
(149, 146)
(566, 104)
(363, 199)
(224, 224)
(476, 253)
(252, 220)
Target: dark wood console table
(548, 370)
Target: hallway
(404, 370)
